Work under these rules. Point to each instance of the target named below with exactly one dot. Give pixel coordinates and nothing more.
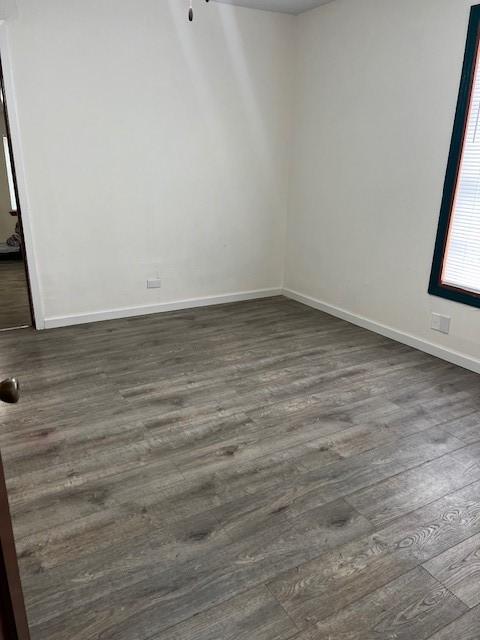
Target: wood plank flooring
(14, 304)
(254, 471)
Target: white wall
(376, 90)
(8, 9)
(152, 146)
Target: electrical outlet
(440, 323)
(154, 283)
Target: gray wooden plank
(411, 606)
(180, 582)
(15, 307)
(316, 589)
(458, 569)
(467, 428)
(406, 491)
(254, 614)
(326, 483)
(466, 627)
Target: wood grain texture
(411, 606)
(467, 428)
(254, 614)
(465, 627)
(246, 470)
(315, 590)
(400, 494)
(458, 569)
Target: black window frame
(436, 286)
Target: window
(456, 262)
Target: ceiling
(285, 6)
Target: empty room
(240, 338)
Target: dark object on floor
(9, 391)
(12, 248)
(15, 240)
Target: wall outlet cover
(441, 323)
(154, 283)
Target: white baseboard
(128, 312)
(449, 355)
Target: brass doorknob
(10, 391)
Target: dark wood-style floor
(14, 304)
(258, 471)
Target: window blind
(461, 267)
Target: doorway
(15, 299)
